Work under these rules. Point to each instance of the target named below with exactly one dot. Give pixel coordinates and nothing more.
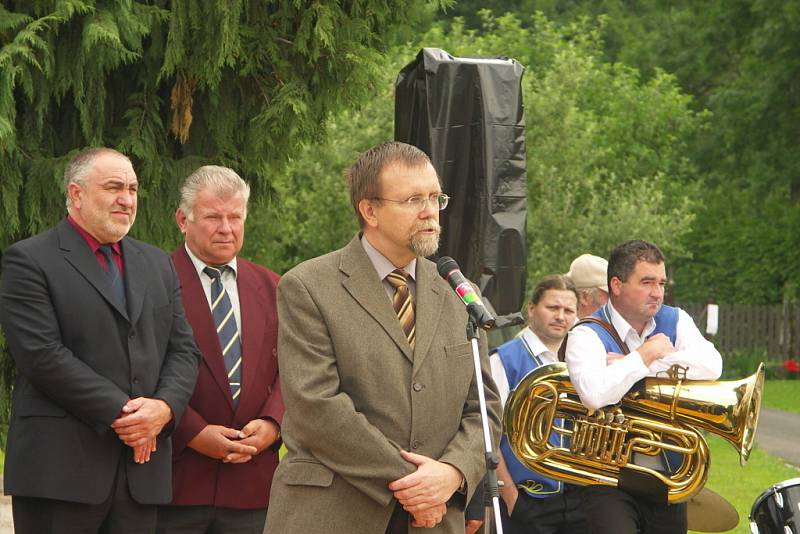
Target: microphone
(448, 269)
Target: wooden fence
(749, 327)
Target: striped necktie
(403, 303)
(228, 332)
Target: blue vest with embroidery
(666, 323)
(518, 362)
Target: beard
(422, 244)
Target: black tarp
(467, 115)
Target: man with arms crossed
(226, 445)
(382, 421)
(658, 337)
(105, 362)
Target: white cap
(588, 271)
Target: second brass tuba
(658, 415)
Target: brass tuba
(658, 415)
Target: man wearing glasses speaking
(382, 423)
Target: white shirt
(599, 384)
(498, 371)
(228, 282)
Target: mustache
(427, 225)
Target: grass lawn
(782, 395)
(742, 485)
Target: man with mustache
(534, 502)
(651, 338)
(105, 362)
(382, 424)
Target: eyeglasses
(419, 202)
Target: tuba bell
(659, 415)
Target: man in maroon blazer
(226, 444)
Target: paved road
(6, 523)
(779, 434)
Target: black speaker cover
(467, 115)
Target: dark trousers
(613, 511)
(209, 520)
(119, 514)
(399, 522)
(558, 514)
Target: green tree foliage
(174, 84)
(739, 59)
(177, 84)
(606, 151)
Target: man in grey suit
(382, 423)
(105, 362)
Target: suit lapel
(254, 322)
(137, 278)
(199, 316)
(429, 306)
(79, 255)
(364, 286)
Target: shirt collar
(199, 264)
(622, 326)
(382, 265)
(93, 243)
(536, 346)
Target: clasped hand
(139, 423)
(235, 446)
(425, 492)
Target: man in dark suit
(105, 362)
(382, 425)
(226, 445)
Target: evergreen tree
(175, 84)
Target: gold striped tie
(403, 303)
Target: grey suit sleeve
(465, 450)
(34, 339)
(328, 426)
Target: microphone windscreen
(445, 265)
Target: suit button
(135, 380)
(132, 335)
(417, 386)
(415, 444)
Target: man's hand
(432, 484)
(472, 525)
(141, 453)
(430, 517)
(508, 490)
(260, 433)
(655, 348)
(142, 420)
(216, 441)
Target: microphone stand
(490, 484)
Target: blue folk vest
(666, 323)
(518, 361)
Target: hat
(587, 271)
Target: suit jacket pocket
(458, 351)
(305, 473)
